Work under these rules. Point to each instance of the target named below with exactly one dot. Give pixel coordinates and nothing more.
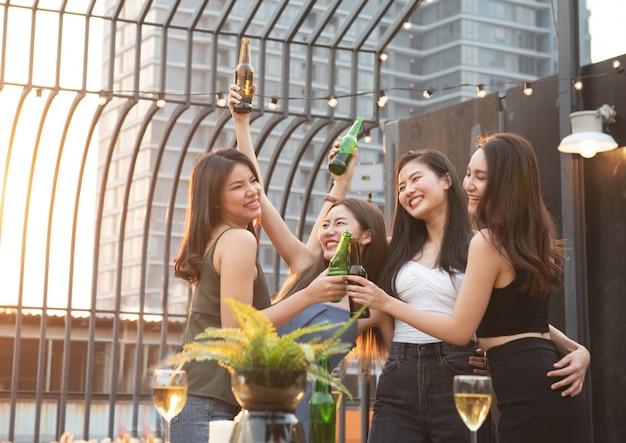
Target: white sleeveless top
(426, 289)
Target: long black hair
(408, 234)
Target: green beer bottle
(322, 411)
(244, 78)
(338, 164)
(340, 263)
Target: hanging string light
(528, 89)
(221, 101)
(578, 85)
(160, 103)
(382, 99)
(480, 91)
(333, 100)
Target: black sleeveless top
(511, 312)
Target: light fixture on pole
(587, 138)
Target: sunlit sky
(606, 26)
(607, 41)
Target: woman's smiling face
(475, 181)
(338, 219)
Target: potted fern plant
(268, 371)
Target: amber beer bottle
(340, 263)
(244, 78)
(348, 143)
(322, 411)
(356, 268)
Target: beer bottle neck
(244, 54)
(355, 130)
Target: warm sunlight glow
(44, 208)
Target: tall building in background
(448, 49)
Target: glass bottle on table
(244, 78)
(339, 264)
(356, 268)
(348, 143)
(322, 410)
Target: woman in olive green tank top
(218, 257)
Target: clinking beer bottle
(322, 411)
(338, 164)
(244, 78)
(340, 263)
(356, 268)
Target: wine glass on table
(472, 397)
(169, 394)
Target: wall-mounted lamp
(587, 138)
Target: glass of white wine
(472, 397)
(169, 394)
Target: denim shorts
(192, 424)
(414, 397)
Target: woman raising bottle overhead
(515, 261)
(307, 262)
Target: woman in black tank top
(516, 245)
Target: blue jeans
(414, 398)
(192, 424)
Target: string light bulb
(332, 101)
(617, 65)
(103, 98)
(528, 89)
(382, 99)
(367, 138)
(221, 101)
(428, 93)
(383, 56)
(578, 84)
(407, 25)
(480, 91)
(160, 103)
(273, 102)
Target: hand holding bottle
(235, 97)
(327, 288)
(346, 178)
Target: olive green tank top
(207, 378)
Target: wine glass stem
(167, 431)
(474, 438)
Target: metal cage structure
(104, 105)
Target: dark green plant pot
(269, 398)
